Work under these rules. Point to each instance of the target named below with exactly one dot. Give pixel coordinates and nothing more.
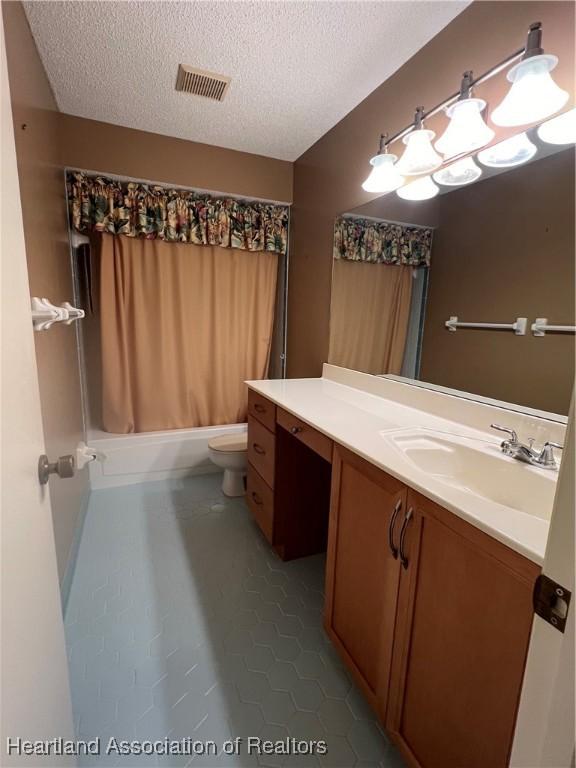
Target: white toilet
(230, 453)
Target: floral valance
(381, 242)
(134, 209)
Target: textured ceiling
(297, 67)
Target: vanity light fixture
(513, 151)
(384, 176)
(462, 172)
(532, 97)
(559, 130)
(420, 189)
(466, 130)
(533, 94)
(419, 156)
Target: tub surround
(149, 456)
(362, 412)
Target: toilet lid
(238, 442)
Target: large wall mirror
(487, 252)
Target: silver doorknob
(63, 467)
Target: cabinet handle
(259, 408)
(397, 509)
(295, 430)
(257, 499)
(403, 558)
(258, 449)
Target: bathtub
(147, 456)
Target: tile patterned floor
(182, 622)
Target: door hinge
(551, 601)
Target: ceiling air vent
(201, 83)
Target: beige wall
(96, 146)
(493, 262)
(47, 141)
(45, 230)
(328, 177)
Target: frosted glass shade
(513, 151)
(559, 130)
(420, 189)
(419, 155)
(466, 130)
(533, 94)
(462, 172)
(384, 176)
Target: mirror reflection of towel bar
(540, 327)
(519, 327)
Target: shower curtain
(182, 327)
(369, 315)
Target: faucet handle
(553, 445)
(511, 432)
(547, 458)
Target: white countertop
(359, 421)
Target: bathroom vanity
(434, 541)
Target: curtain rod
(388, 221)
(168, 185)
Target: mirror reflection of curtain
(182, 327)
(369, 315)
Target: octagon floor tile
(182, 621)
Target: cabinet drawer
(262, 409)
(260, 498)
(261, 449)
(315, 440)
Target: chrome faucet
(513, 447)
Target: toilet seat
(229, 443)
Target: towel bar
(540, 327)
(519, 327)
(45, 314)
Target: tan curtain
(183, 326)
(369, 316)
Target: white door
(35, 698)
(545, 729)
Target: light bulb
(384, 176)
(462, 172)
(533, 94)
(559, 130)
(419, 155)
(513, 151)
(420, 189)
(466, 130)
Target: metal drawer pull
(403, 558)
(258, 449)
(295, 430)
(257, 499)
(259, 408)
(397, 509)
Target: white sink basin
(480, 468)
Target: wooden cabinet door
(366, 510)
(462, 632)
